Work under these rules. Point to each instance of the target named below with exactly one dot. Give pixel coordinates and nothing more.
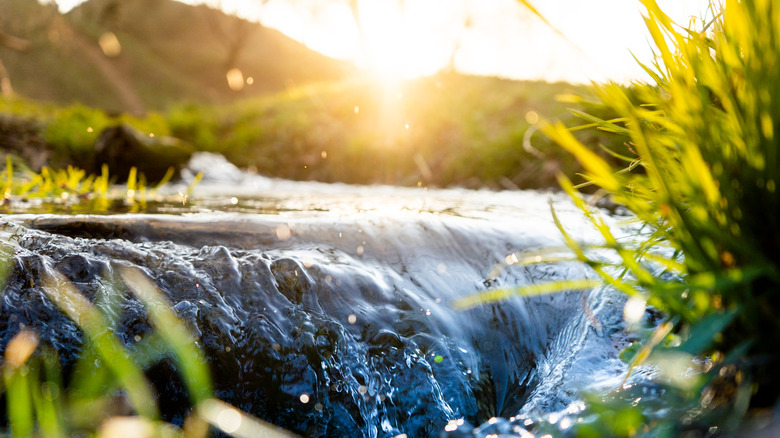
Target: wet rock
(123, 147)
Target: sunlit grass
(701, 172)
(22, 188)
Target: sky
(408, 38)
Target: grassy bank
(439, 131)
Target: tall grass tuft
(701, 171)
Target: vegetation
(443, 130)
(701, 155)
(698, 147)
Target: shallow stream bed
(328, 309)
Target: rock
(22, 137)
(122, 147)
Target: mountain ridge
(168, 52)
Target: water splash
(340, 324)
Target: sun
(388, 39)
(399, 40)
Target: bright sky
(417, 37)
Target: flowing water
(328, 309)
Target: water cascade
(328, 309)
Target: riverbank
(442, 131)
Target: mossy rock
(122, 147)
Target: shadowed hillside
(166, 52)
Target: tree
(13, 43)
(233, 33)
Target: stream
(328, 309)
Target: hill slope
(169, 52)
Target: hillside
(170, 52)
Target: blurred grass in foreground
(108, 395)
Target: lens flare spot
(235, 79)
(283, 232)
(634, 309)
(109, 44)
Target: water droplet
(137, 338)
(234, 200)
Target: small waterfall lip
(344, 294)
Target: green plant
(704, 135)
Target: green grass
(701, 172)
(445, 130)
